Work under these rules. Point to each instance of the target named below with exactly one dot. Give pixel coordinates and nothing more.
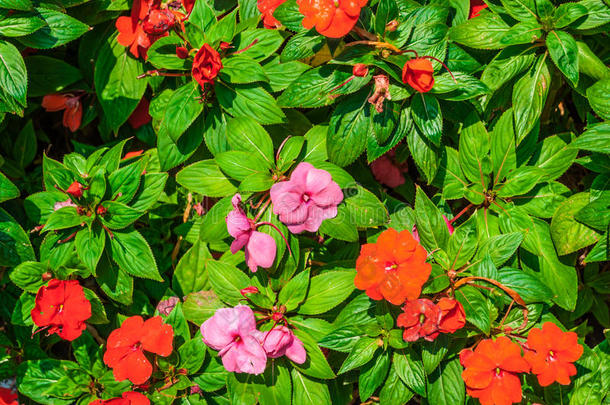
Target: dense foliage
(304, 201)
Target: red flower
(394, 268)
(8, 397)
(182, 52)
(73, 113)
(75, 189)
(332, 18)
(249, 290)
(134, 153)
(158, 22)
(206, 65)
(126, 346)
(62, 307)
(452, 317)
(360, 70)
(388, 171)
(140, 115)
(419, 74)
(475, 8)
(551, 352)
(491, 371)
(267, 7)
(128, 398)
(420, 320)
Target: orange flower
(491, 371)
(73, 113)
(551, 352)
(394, 268)
(267, 7)
(452, 317)
(332, 18)
(419, 74)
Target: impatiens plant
(304, 202)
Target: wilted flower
(60, 204)
(360, 70)
(165, 307)
(382, 92)
(307, 199)
(420, 320)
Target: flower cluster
(243, 348)
(491, 370)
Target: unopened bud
(182, 52)
(391, 26)
(360, 70)
(249, 290)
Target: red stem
(277, 229)
(445, 66)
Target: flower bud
(182, 52)
(249, 290)
(360, 70)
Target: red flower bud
(225, 45)
(101, 210)
(249, 290)
(419, 74)
(360, 70)
(182, 52)
(75, 189)
(206, 65)
(135, 153)
(158, 22)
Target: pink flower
(388, 171)
(307, 199)
(232, 331)
(260, 248)
(280, 341)
(416, 234)
(60, 204)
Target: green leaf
(598, 13)
(316, 364)
(464, 87)
(342, 339)
(507, 64)
(260, 43)
(529, 97)
(521, 10)
(361, 353)
(568, 234)
(502, 146)
(28, 276)
(446, 384)
(598, 98)
(306, 390)
(410, 370)
(483, 32)
(245, 134)
(475, 307)
(433, 352)
(565, 14)
(349, 125)
(117, 87)
(288, 14)
(294, 292)
(372, 375)
(425, 154)
(529, 287)
(90, 243)
(192, 354)
(249, 100)
(595, 139)
(205, 177)
(60, 29)
(364, 208)
(474, 150)
(341, 226)
(132, 253)
(52, 382)
(242, 69)
(519, 181)
(49, 75)
(239, 165)
(302, 45)
(13, 75)
(431, 226)
(282, 74)
(227, 281)
(123, 183)
(426, 113)
(394, 391)
(8, 190)
(98, 312)
(463, 243)
(564, 52)
(223, 29)
(327, 290)
(24, 5)
(151, 187)
(191, 273)
(64, 218)
(119, 215)
(199, 306)
(500, 247)
(181, 111)
(162, 54)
